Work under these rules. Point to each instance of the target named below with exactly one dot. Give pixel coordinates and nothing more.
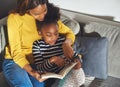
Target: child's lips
(53, 42)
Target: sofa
(90, 28)
(94, 27)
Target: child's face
(50, 33)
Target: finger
(41, 80)
(38, 77)
(61, 64)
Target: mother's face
(39, 12)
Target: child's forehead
(51, 26)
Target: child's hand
(67, 49)
(78, 65)
(59, 61)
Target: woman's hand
(33, 73)
(37, 75)
(67, 49)
(59, 61)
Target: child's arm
(59, 61)
(45, 65)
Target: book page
(61, 74)
(66, 69)
(51, 75)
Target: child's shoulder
(61, 36)
(40, 41)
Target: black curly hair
(52, 16)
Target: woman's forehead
(39, 9)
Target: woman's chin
(40, 19)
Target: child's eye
(56, 34)
(48, 35)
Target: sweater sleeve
(43, 65)
(67, 31)
(14, 37)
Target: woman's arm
(70, 38)
(14, 37)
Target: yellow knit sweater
(22, 32)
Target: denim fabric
(18, 77)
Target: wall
(6, 6)
(94, 7)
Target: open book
(61, 74)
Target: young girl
(48, 52)
(22, 32)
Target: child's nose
(54, 38)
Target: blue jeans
(18, 77)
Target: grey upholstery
(71, 23)
(3, 21)
(3, 34)
(113, 35)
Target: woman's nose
(42, 17)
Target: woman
(22, 32)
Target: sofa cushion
(71, 23)
(3, 21)
(3, 43)
(95, 53)
(113, 35)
